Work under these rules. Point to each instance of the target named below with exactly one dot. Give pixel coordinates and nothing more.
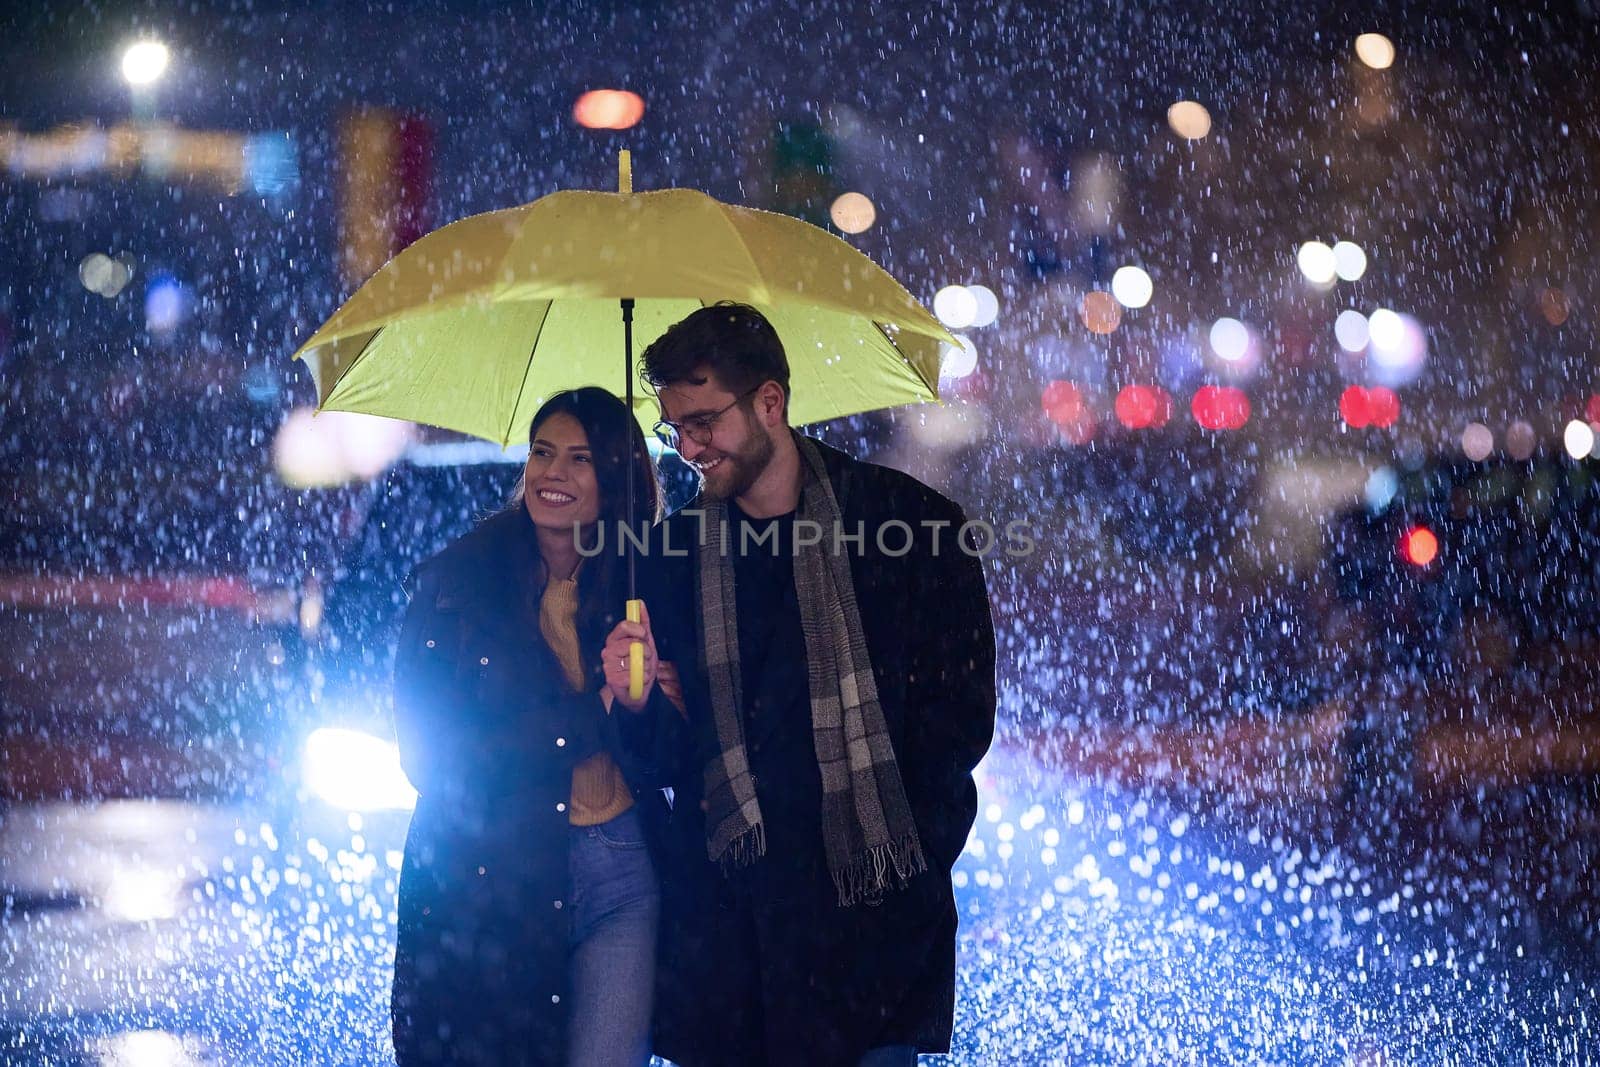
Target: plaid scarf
(870, 837)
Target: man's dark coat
(762, 965)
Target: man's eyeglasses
(698, 428)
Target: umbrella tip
(624, 172)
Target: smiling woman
(559, 484)
(505, 939)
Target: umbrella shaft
(627, 382)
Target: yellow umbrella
(475, 325)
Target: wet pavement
(1101, 924)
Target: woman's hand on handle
(614, 659)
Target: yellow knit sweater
(599, 792)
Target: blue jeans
(890, 1056)
(616, 899)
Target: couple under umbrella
(703, 803)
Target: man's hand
(614, 659)
(672, 686)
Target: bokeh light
(1350, 330)
(140, 894)
(1521, 440)
(336, 447)
(356, 771)
(1419, 546)
(167, 303)
(1067, 406)
(1579, 437)
(144, 62)
(144, 1048)
(1383, 406)
(1317, 262)
(1230, 339)
(1189, 120)
(1100, 312)
(608, 109)
(105, 276)
(1554, 306)
(1349, 261)
(853, 213)
(1375, 50)
(1397, 347)
(1354, 408)
(955, 306)
(988, 305)
(1132, 287)
(1382, 485)
(1477, 441)
(1220, 407)
(95, 271)
(1385, 330)
(959, 360)
(1142, 407)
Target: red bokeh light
(1377, 406)
(1066, 405)
(1141, 407)
(1220, 407)
(1591, 410)
(1383, 406)
(1355, 408)
(1419, 546)
(608, 109)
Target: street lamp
(143, 63)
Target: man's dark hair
(735, 341)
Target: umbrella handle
(635, 654)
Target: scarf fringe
(745, 849)
(867, 876)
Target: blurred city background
(1276, 327)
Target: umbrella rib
(934, 389)
(755, 268)
(505, 438)
(348, 367)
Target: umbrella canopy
(472, 327)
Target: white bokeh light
(958, 360)
(1385, 330)
(1132, 287)
(1350, 328)
(955, 306)
(1397, 348)
(1317, 262)
(355, 771)
(144, 62)
(336, 447)
(988, 305)
(1579, 439)
(143, 894)
(1349, 261)
(1230, 339)
(144, 1048)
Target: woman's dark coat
(836, 980)
(489, 733)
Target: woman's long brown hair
(615, 439)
